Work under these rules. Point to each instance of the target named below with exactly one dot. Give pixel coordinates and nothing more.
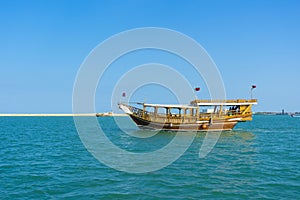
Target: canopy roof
(236, 102)
(198, 102)
(167, 105)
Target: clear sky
(43, 44)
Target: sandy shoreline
(56, 115)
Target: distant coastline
(110, 114)
(276, 113)
(62, 115)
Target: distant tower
(282, 112)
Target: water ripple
(43, 158)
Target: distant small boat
(104, 114)
(295, 115)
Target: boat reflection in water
(225, 142)
(236, 134)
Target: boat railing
(174, 118)
(179, 118)
(136, 111)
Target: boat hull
(200, 126)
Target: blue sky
(43, 44)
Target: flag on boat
(123, 94)
(253, 86)
(197, 89)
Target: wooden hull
(202, 126)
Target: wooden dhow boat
(200, 115)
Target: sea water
(44, 158)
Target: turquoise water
(43, 158)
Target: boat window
(161, 111)
(150, 109)
(207, 109)
(187, 112)
(174, 111)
